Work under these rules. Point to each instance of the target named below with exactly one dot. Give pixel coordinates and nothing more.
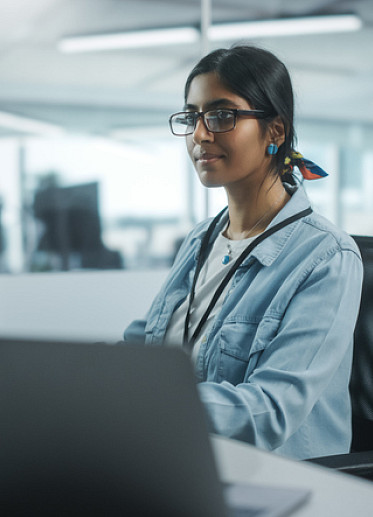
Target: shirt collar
(268, 250)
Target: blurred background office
(91, 177)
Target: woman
(266, 295)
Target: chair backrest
(361, 385)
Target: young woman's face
(223, 159)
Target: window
(79, 202)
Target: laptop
(110, 430)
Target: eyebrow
(212, 104)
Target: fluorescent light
(133, 39)
(218, 32)
(28, 125)
(285, 27)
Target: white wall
(79, 305)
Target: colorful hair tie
(308, 169)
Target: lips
(207, 157)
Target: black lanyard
(203, 256)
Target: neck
(250, 213)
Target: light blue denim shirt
(275, 368)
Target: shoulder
(196, 234)
(316, 232)
(326, 234)
(191, 243)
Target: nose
(201, 133)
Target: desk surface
(333, 493)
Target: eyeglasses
(216, 121)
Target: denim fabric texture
(275, 367)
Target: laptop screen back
(103, 430)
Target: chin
(209, 181)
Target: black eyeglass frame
(201, 114)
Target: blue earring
(272, 149)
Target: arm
(311, 347)
(135, 332)
(175, 288)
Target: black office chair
(359, 461)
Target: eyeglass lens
(216, 121)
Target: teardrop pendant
(227, 257)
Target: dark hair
(262, 79)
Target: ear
(276, 132)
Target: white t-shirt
(212, 273)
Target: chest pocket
(240, 348)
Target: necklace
(228, 256)
(204, 252)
